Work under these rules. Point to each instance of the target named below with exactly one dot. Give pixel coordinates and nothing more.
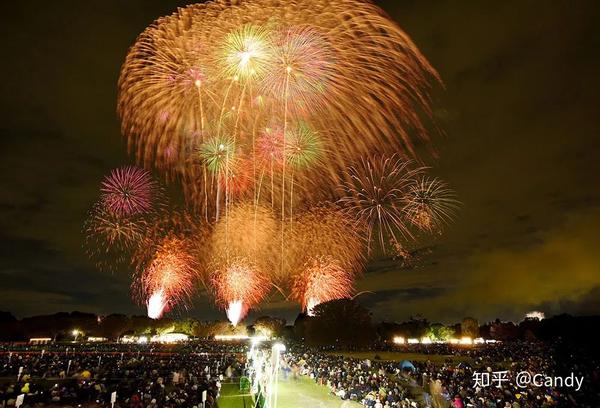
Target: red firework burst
(322, 279)
(128, 191)
(239, 286)
(237, 179)
(169, 278)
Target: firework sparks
(214, 73)
(128, 191)
(239, 286)
(218, 154)
(430, 204)
(249, 232)
(322, 279)
(377, 196)
(236, 311)
(247, 52)
(157, 304)
(322, 231)
(270, 147)
(169, 277)
(302, 66)
(110, 237)
(303, 147)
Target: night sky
(521, 148)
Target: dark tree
(6, 317)
(114, 326)
(469, 327)
(343, 322)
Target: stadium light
(256, 340)
(399, 340)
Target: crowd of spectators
(364, 381)
(451, 381)
(154, 375)
(142, 375)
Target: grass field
(303, 392)
(400, 356)
(231, 397)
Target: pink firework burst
(269, 147)
(128, 190)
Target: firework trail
(322, 279)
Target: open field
(231, 397)
(303, 392)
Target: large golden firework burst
(222, 72)
(263, 110)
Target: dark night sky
(521, 149)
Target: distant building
(40, 340)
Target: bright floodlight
(399, 340)
(234, 312)
(279, 347)
(156, 304)
(257, 339)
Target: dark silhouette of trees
(469, 327)
(6, 317)
(343, 322)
